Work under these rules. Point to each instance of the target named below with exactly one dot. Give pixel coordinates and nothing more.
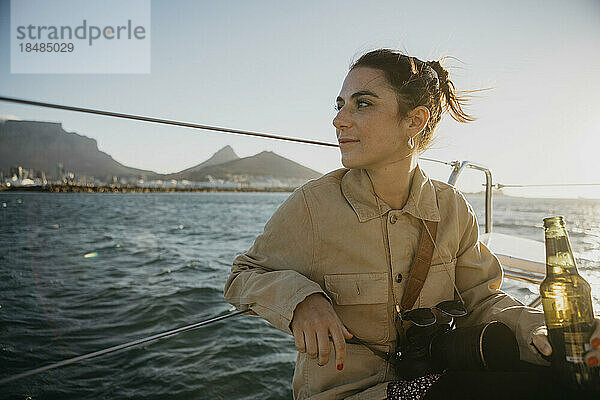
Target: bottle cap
(554, 221)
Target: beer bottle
(567, 303)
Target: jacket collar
(358, 190)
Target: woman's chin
(346, 162)
(350, 163)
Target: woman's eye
(359, 104)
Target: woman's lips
(344, 142)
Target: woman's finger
(299, 340)
(339, 345)
(311, 344)
(595, 339)
(592, 358)
(346, 333)
(323, 344)
(541, 342)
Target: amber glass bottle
(567, 302)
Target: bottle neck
(559, 256)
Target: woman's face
(368, 128)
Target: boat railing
(457, 169)
(521, 259)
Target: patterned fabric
(414, 389)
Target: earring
(411, 143)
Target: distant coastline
(72, 187)
(113, 188)
(116, 188)
(43, 154)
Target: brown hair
(418, 83)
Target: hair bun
(442, 74)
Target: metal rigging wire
(120, 347)
(164, 121)
(181, 123)
(500, 185)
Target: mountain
(43, 145)
(222, 156)
(265, 164)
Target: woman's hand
(313, 322)
(592, 357)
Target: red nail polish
(596, 342)
(340, 367)
(592, 361)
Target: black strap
(382, 354)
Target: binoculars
(436, 348)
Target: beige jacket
(328, 237)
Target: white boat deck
(521, 258)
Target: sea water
(82, 272)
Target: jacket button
(393, 219)
(399, 278)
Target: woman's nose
(341, 119)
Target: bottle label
(576, 346)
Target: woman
(333, 260)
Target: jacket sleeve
(271, 278)
(478, 279)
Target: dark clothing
(528, 382)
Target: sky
(277, 67)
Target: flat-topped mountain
(44, 145)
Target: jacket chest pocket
(354, 289)
(361, 301)
(439, 285)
